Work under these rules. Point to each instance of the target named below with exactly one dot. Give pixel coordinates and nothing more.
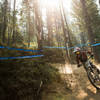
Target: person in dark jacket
(81, 56)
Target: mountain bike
(93, 73)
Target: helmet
(76, 49)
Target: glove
(78, 65)
(92, 56)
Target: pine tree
(87, 19)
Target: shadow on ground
(75, 86)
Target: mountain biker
(81, 56)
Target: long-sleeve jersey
(82, 56)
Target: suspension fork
(87, 68)
(84, 65)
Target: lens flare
(49, 3)
(55, 3)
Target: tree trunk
(29, 23)
(9, 20)
(4, 21)
(49, 25)
(14, 23)
(66, 32)
(69, 43)
(38, 21)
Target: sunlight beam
(54, 3)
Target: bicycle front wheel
(94, 77)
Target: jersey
(82, 56)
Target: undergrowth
(25, 78)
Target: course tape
(3, 47)
(55, 47)
(96, 44)
(21, 57)
(79, 45)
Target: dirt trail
(78, 83)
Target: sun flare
(54, 3)
(49, 3)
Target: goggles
(77, 52)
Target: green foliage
(22, 78)
(54, 55)
(93, 14)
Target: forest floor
(74, 86)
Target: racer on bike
(81, 56)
